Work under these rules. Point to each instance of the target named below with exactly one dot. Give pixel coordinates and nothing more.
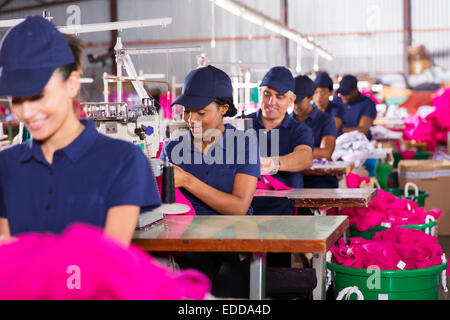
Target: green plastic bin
(428, 228)
(416, 195)
(420, 155)
(414, 284)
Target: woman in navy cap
(67, 172)
(323, 99)
(322, 126)
(217, 168)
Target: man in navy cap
(322, 126)
(293, 141)
(324, 102)
(361, 110)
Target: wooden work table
(315, 198)
(332, 168)
(252, 234)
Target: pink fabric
(435, 127)
(354, 181)
(179, 196)
(386, 208)
(268, 182)
(387, 248)
(48, 266)
(165, 100)
(368, 93)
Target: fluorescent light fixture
(239, 9)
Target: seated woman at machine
(217, 168)
(213, 167)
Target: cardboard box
(432, 176)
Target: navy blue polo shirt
(337, 109)
(88, 177)
(362, 106)
(236, 152)
(322, 124)
(291, 134)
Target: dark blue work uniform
(88, 177)
(362, 106)
(235, 153)
(291, 134)
(337, 109)
(322, 124)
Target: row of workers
(69, 172)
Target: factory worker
(215, 166)
(67, 172)
(323, 99)
(292, 141)
(322, 126)
(361, 110)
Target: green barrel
(419, 199)
(413, 284)
(368, 234)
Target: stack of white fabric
(353, 147)
(380, 132)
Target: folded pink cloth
(84, 263)
(268, 182)
(393, 249)
(165, 100)
(388, 210)
(354, 181)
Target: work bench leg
(258, 276)
(319, 265)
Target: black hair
(77, 46)
(330, 88)
(232, 111)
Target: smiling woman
(40, 74)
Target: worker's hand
(7, 240)
(269, 166)
(181, 177)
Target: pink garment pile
(435, 127)
(354, 181)
(368, 93)
(420, 130)
(83, 263)
(393, 249)
(388, 210)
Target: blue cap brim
(24, 83)
(193, 102)
(275, 85)
(299, 99)
(344, 92)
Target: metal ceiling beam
(255, 16)
(4, 3)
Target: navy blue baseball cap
(280, 79)
(304, 87)
(347, 84)
(29, 54)
(323, 80)
(202, 86)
